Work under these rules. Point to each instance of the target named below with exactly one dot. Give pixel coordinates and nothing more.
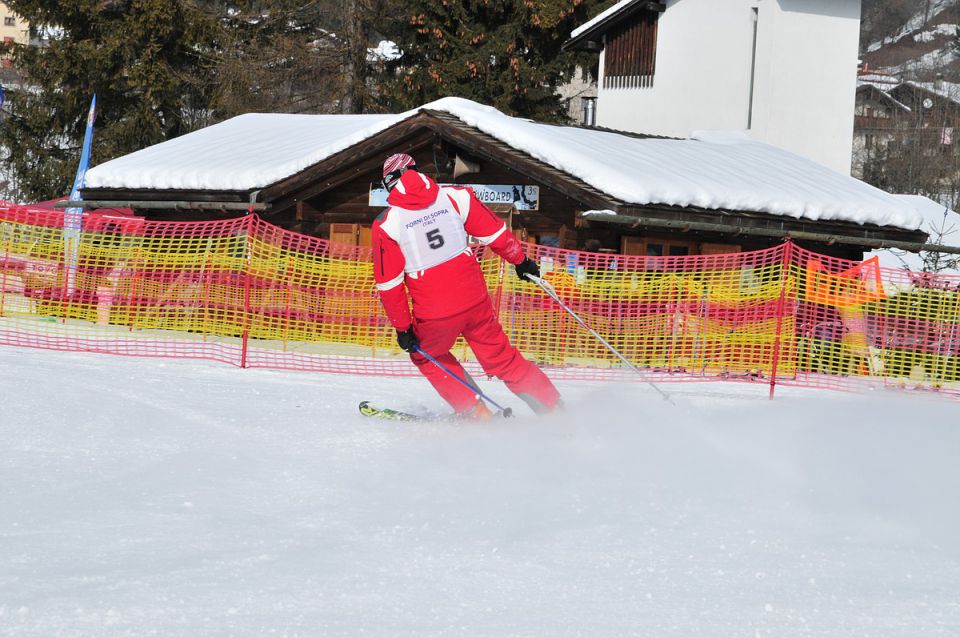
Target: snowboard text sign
(523, 197)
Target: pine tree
(160, 68)
(505, 53)
(281, 56)
(145, 61)
(357, 92)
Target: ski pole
(503, 411)
(547, 288)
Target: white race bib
(430, 236)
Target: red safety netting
(248, 293)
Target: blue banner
(73, 217)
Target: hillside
(913, 38)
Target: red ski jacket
(420, 245)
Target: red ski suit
(420, 247)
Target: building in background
(782, 70)
(13, 29)
(905, 136)
(878, 120)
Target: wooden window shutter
(632, 245)
(345, 234)
(351, 234)
(630, 55)
(365, 236)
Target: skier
(420, 246)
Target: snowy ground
(142, 498)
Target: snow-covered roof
(939, 221)
(883, 90)
(245, 152)
(602, 16)
(709, 171)
(878, 79)
(948, 90)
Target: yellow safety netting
(247, 292)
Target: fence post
(206, 287)
(133, 305)
(287, 301)
(784, 270)
(3, 284)
(245, 338)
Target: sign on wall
(522, 196)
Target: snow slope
(143, 498)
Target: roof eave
(591, 40)
(767, 225)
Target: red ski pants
(480, 328)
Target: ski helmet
(393, 168)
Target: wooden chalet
(331, 198)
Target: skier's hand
(407, 340)
(527, 267)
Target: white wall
(804, 78)
(702, 73)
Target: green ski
(386, 413)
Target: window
(9, 21)
(549, 240)
(630, 52)
(655, 247)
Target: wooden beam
(780, 233)
(168, 195)
(164, 204)
(780, 223)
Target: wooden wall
(349, 203)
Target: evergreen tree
(505, 53)
(160, 68)
(143, 58)
(358, 92)
(281, 56)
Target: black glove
(527, 267)
(407, 340)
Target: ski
(391, 415)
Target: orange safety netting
(248, 293)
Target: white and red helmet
(393, 168)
